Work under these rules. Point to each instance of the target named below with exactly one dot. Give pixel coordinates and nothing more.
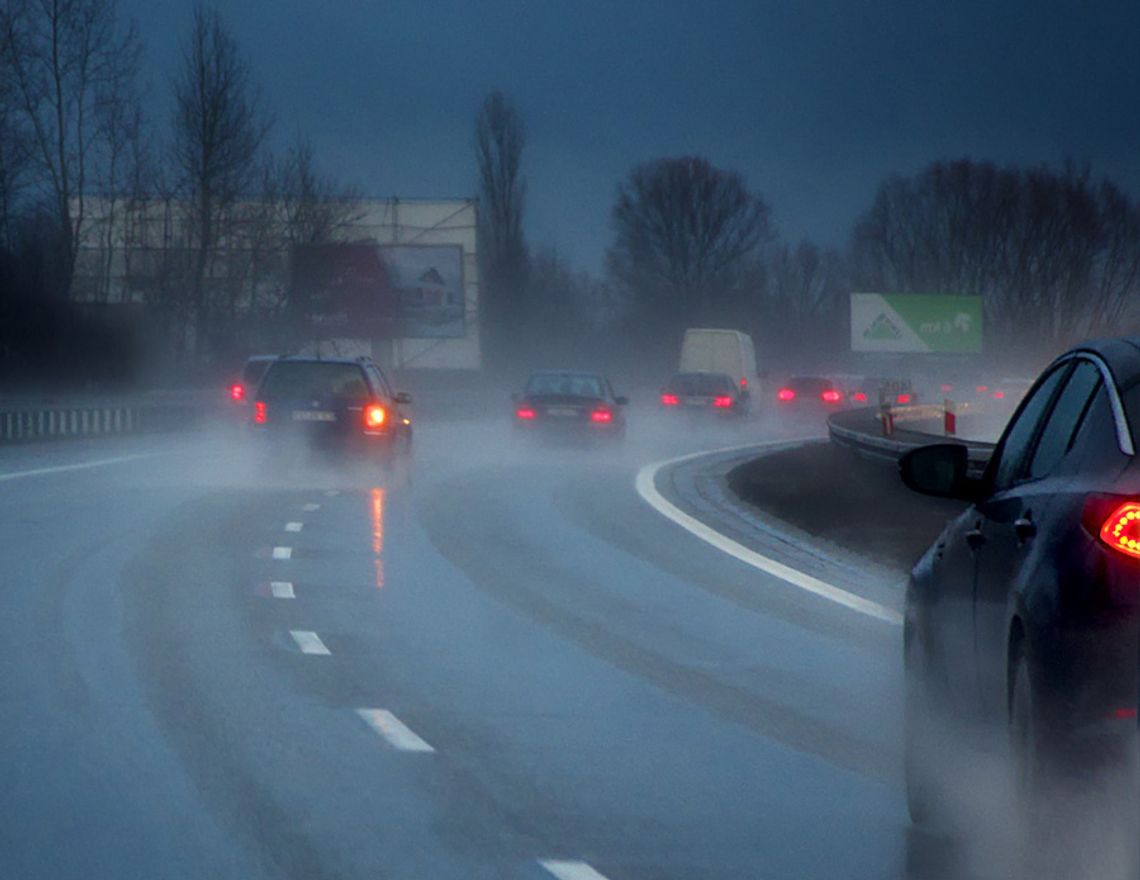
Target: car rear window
(317, 380)
(809, 385)
(702, 383)
(565, 384)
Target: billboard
(916, 323)
(428, 284)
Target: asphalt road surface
(511, 667)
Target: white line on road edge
(398, 735)
(309, 642)
(282, 552)
(310, 507)
(647, 488)
(294, 526)
(82, 466)
(282, 590)
(571, 870)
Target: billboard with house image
(427, 281)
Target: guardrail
(862, 431)
(24, 421)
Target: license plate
(696, 401)
(562, 412)
(313, 415)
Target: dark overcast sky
(814, 101)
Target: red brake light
(982, 389)
(831, 396)
(1121, 530)
(859, 396)
(237, 392)
(786, 394)
(260, 413)
(999, 395)
(602, 416)
(945, 388)
(525, 413)
(669, 400)
(722, 401)
(375, 416)
(903, 398)
(743, 382)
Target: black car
(1024, 614)
(715, 393)
(809, 394)
(570, 403)
(338, 405)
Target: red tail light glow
(1121, 531)
(669, 400)
(237, 392)
(602, 416)
(525, 413)
(859, 396)
(723, 401)
(743, 382)
(904, 399)
(945, 388)
(375, 416)
(831, 396)
(999, 395)
(786, 394)
(260, 413)
(982, 389)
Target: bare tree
(803, 291)
(500, 137)
(684, 234)
(316, 208)
(219, 128)
(67, 64)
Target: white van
(720, 351)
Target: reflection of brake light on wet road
(378, 534)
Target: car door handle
(975, 538)
(1024, 528)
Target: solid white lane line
(294, 526)
(571, 870)
(310, 507)
(647, 488)
(82, 466)
(309, 642)
(392, 729)
(282, 590)
(282, 552)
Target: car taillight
(903, 399)
(375, 416)
(237, 392)
(601, 416)
(260, 413)
(722, 401)
(945, 388)
(743, 382)
(525, 413)
(1120, 530)
(859, 396)
(786, 394)
(830, 396)
(982, 389)
(669, 400)
(999, 395)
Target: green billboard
(916, 322)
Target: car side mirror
(621, 401)
(403, 397)
(941, 469)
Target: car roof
(1121, 355)
(306, 359)
(589, 373)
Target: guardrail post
(887, 418)
(950, 418)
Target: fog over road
(512, 667)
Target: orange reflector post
(1121, 531)
(375, 416)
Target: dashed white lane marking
(282, 552)
(392, 729)
(647, 488)
(282, 590)
(309, 642)
(310, 507)
(571, 870)
(82, 466)
(294, 526)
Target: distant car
(339, 406)
(806, 394)
(241, 389)
(570, 403)
(712, 393)
(1025, 614)
(719, 351)
(877, 390)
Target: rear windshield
(702, 383)
(316, 380)
(809, 385)
(566, 384)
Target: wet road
(513, 667)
